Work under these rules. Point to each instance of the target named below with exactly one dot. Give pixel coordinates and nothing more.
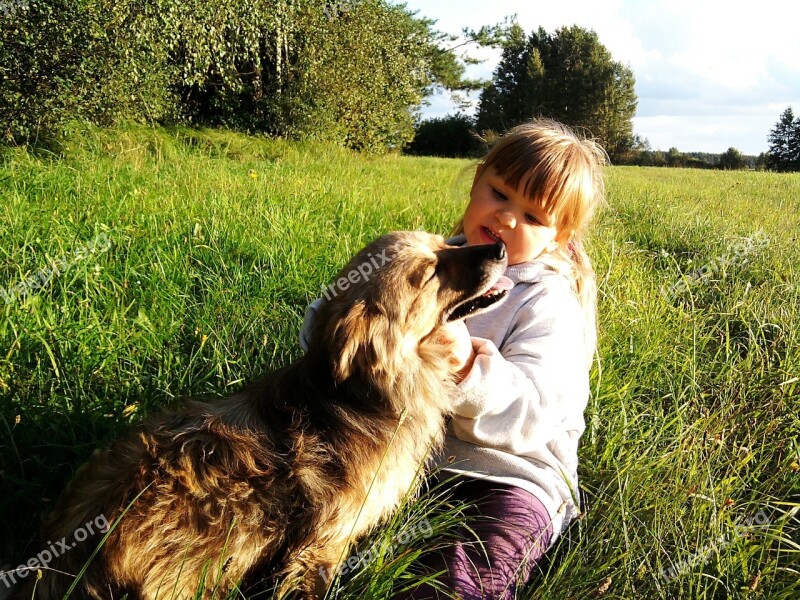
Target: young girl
(523, 367)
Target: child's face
(497, 212)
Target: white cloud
(704, 133)
(709, 74)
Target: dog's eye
(433, 271)
(421, 276)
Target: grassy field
(186, 260)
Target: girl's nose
(506, 219)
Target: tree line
(457, 136)
(567, 75)
(351, 72)
(783, 153)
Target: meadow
(184, 262)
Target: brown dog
(282, 477)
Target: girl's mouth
(491, 237)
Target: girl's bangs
(545, 175)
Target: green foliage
(64, 59)
(357, 77)
(732, 159)
(505, 102)
(352, 73)
(784, 143)
(642, 154)
(675, 158)
(451, 136)
(568, 76)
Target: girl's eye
(499, 195)
(532, 219)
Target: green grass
(218, 241)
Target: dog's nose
(499, 252)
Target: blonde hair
(562, 172)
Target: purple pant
(514, 528)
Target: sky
(710, 74)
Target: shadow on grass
(39, 455)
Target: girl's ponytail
(573, 262)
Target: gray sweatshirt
(519, 412)
(518, 415)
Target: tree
(568, 76)
(451, 136)
(640, 153)
(784, 143)
(504, 97)
(675, 157)
(732, 159)
(69, 59)
(357, 79)
(352, 72)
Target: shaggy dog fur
(278, 480)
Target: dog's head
(391, 298)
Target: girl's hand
(456, 336)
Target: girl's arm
(538, 385)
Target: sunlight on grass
(218, 241)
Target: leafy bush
(62, 59)
(732, 159)
(450, 136)
(292, 68)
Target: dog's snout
(491, 251)
(476, 253)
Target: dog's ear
(351, 338)
(365, 343)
